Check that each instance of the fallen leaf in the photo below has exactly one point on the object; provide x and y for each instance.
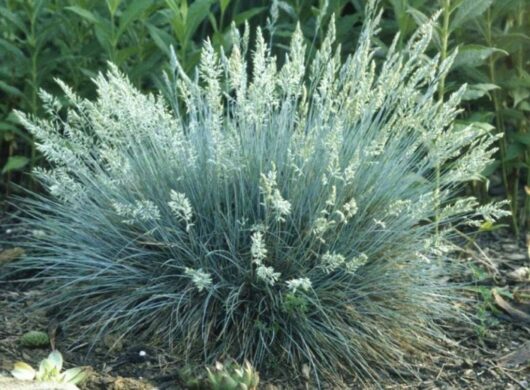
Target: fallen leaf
(522, 296)
(521, 274)
(514, 312)
(9, 255)
(518, 357)
(130, 384)
(306, 371)
(23, 371)
(516, 256)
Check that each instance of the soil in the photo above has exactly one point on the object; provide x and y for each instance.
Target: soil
(494, 354)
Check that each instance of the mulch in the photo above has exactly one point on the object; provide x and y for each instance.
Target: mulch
(494, 354)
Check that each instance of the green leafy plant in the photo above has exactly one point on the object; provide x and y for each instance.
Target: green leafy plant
(492, 42)
(486, 310)
(231, 376)
(35, 339)
(73, 40)
(285, 218)
(50, 371)
(504, 27)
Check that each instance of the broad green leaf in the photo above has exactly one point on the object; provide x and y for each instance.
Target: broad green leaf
(476, 91)
(75, 375)
(179, 8)
(213, 23)
(289, 10)
(160, 37)
(500, 7)
(519, 95)
(197, 13)
(512, 42)
(131, 13)
(419, 17)
(141, 69)
(517, 81)
(246, 15)
(523, 138)
(37, 8)
(56, 360)
(524, 106)
(89, 73)
(491, 168)
(177, 18)
(13, 49)
(15, 163)
(113, 6)
(46, 370)
(11, 17)
(344, 26)
(484, 126)
(23, 371)
(9, 89)
(85, 14)
(9, 132)
(513, 152)
(467, 10)
(474, 55)
(124, 54)
(513, 114)
(481, 116)
(104, 35)
(6, 127)
(224, 4)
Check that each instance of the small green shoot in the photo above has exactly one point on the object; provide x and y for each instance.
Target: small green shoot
(232, 376)
(50, 371)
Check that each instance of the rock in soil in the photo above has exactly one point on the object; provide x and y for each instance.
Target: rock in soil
(16, 384)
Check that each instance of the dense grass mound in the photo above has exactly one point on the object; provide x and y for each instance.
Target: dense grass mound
(287, 218)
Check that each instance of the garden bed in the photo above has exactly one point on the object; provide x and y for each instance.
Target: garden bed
(493, 355)
(293, 205)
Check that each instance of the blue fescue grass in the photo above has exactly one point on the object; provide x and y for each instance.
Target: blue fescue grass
(288, 220)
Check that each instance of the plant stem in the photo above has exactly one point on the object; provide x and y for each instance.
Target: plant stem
(441, 92)
(523, 125)
(501, 128)
(34, 85)
(446, 14)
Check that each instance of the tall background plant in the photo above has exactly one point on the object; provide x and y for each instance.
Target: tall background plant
(492, 42)
(73, 40)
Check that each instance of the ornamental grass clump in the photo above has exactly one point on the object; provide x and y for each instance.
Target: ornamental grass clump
(293, 216)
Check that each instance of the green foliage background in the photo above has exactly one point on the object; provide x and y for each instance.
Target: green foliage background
(73, 39)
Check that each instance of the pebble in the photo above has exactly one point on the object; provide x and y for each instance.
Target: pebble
(515, 256)
(511, 247)
(468, 363)
(15, 384)
(469, 373)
